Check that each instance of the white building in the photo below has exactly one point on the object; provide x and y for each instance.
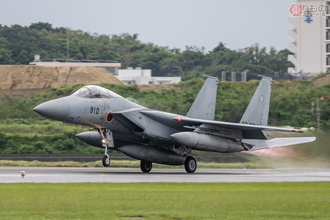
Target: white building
(128, 76)
(140, 76)
(311, 34)
(111, 66)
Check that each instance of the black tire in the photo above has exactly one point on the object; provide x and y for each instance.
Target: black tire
(145, 166)
(190, 165)
(106, 160)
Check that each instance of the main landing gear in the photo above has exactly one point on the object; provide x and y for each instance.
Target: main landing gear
(190, 165)
(107, 141)
(145, 166)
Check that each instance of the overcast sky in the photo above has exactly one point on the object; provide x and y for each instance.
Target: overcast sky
(172, 23)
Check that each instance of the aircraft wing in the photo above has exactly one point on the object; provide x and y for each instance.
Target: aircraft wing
(125, 118)
(276, 142)
(197, 122)
(250, 132)
(213, 127)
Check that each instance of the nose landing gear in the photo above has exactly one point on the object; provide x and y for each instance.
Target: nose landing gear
(107, 141)
(106, 160)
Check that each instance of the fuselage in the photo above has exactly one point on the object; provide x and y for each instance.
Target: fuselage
(100, 108)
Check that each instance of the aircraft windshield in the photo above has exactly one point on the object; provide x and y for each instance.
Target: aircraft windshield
(95, 92)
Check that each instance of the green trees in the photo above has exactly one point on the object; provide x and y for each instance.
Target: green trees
(19, 44)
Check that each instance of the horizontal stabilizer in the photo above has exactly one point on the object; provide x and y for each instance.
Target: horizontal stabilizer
(276, 142)
(245, 127)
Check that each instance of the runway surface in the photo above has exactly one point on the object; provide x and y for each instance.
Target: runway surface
(124, 175)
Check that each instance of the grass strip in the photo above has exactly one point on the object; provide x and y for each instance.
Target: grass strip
(128, 163)
(287, 200)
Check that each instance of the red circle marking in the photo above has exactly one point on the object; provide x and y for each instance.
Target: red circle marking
(109, 117)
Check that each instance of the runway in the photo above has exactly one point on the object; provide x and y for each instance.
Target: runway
(126, 175)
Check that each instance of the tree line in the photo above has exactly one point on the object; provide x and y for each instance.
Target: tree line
(19, 44)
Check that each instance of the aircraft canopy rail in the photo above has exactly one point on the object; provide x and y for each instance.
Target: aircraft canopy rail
(95, 92)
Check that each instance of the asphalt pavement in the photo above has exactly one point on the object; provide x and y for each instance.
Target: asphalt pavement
(126, 175)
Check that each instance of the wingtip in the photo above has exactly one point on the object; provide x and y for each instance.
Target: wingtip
(212, 77)
(297, 131)
(266, 77)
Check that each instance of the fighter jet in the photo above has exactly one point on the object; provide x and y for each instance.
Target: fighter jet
(153, 136)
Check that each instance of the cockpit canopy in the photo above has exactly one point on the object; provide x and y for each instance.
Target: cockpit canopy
(95, 92)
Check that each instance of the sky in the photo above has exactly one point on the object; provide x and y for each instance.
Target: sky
(173, 23)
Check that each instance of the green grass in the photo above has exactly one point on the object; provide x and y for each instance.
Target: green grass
(165, 201)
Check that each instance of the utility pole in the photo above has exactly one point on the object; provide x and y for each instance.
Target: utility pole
(317, 114)
(318, 110)
(67, 43)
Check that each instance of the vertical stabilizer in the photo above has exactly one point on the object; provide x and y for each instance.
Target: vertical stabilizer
(204, 105)
(258, 108)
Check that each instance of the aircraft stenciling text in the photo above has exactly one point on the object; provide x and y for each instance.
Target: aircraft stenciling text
(94, 110)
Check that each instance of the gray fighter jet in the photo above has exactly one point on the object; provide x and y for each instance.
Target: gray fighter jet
(159, 137)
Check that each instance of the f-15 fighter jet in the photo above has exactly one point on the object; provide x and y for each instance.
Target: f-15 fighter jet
(160, 137)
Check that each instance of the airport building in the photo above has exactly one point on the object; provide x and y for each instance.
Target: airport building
(128, 76)
(143, 76)
(311, 36)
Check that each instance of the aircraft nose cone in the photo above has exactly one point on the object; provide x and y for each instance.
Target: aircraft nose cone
(57, 109)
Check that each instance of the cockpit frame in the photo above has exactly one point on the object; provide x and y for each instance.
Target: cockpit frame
(93, 91)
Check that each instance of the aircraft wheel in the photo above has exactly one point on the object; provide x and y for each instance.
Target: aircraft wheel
(145, 166)
(106, 160)
(190, 165)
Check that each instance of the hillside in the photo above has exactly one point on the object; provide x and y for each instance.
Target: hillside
(322, 81)
(24, 80)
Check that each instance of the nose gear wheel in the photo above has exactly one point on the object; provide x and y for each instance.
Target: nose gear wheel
(107, 142)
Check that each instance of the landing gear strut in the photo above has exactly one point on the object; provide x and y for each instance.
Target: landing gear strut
(145, 166)
(190, 164)
(107, 141)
